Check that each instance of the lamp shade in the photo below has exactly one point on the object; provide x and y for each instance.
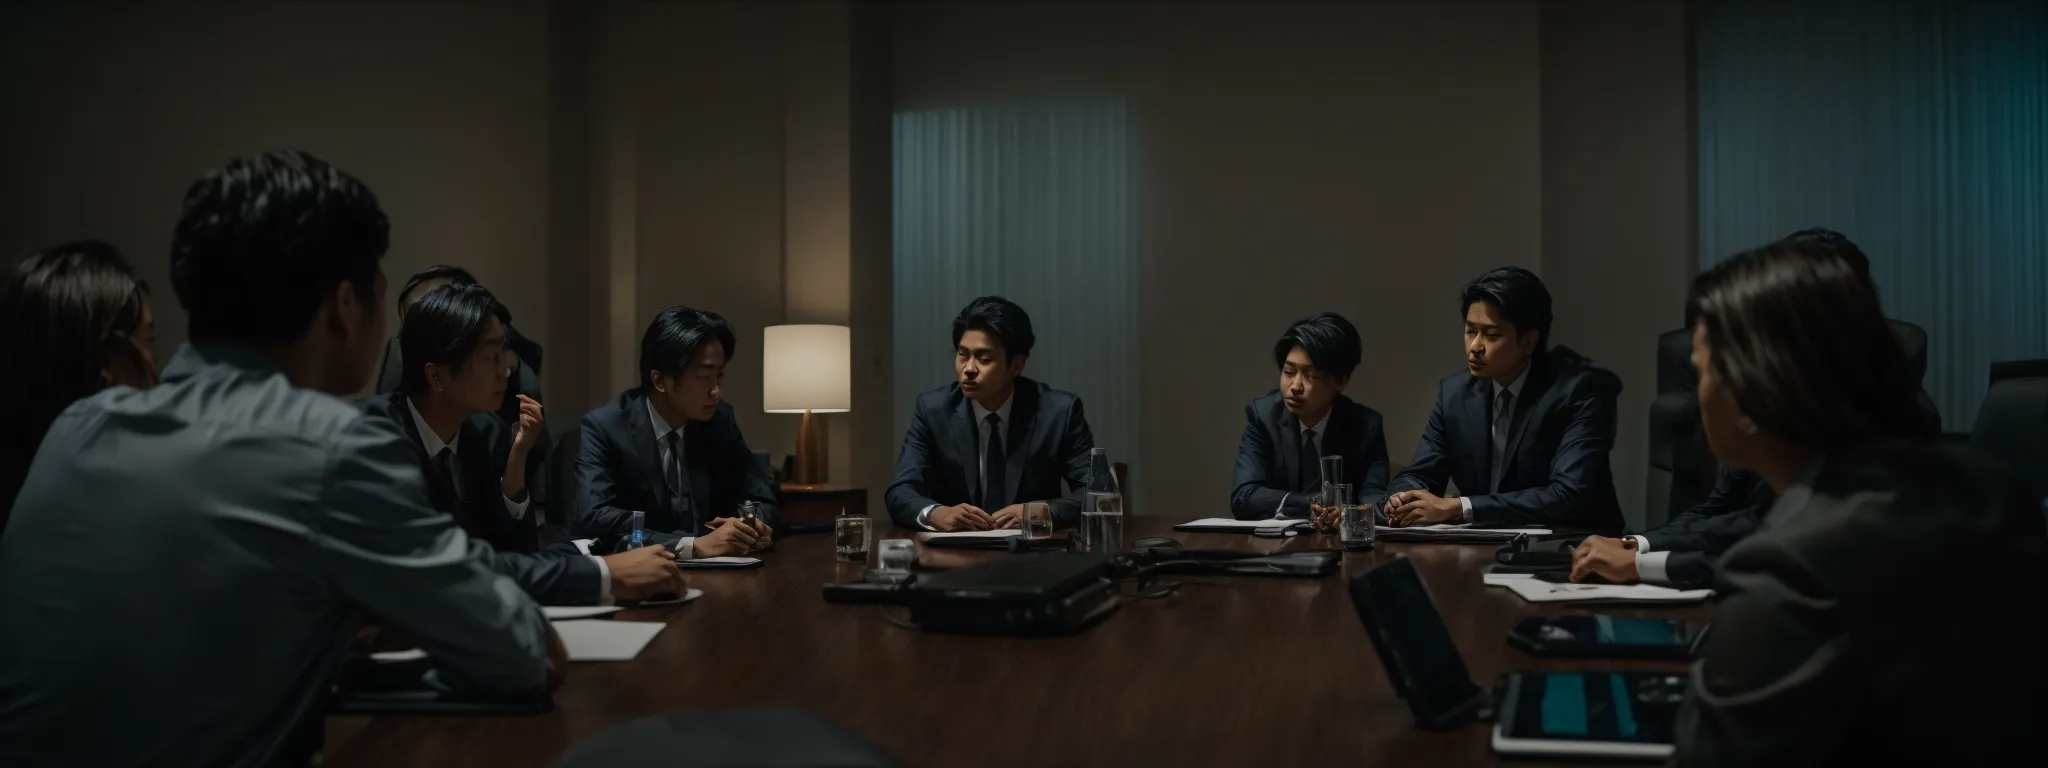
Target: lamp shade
(807, 368)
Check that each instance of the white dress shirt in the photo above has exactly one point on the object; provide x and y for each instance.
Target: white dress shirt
(1002, 412)
(685, 548)
(1650, 568)
(1315, 436)
(1498, 428)
(432, 442)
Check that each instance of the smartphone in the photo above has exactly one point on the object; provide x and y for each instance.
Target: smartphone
(1598, 714)
(1607, 637)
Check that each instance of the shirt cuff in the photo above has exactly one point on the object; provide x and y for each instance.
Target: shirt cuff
(1466, 503)
(1650, 568)
(686, 548)
(604, 581)
(517, 508)
(924, 519)
(1642, 543)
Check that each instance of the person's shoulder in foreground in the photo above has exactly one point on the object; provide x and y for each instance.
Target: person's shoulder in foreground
(1898, 574)
(240, 519)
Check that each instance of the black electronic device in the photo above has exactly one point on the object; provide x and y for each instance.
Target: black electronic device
(1599, 714)
(1421, 661)
(1606, 636)
(1027, 595)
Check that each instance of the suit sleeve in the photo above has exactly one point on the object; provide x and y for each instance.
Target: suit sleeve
(558, 574)
(1683, 533)
(602, 518)
(755, 483)
(1774, 670)
(1431, 469)
(1253, 497)
(910, 489)
(1576, 469)
(1077, 446)
(383, 548)
(1372, 486)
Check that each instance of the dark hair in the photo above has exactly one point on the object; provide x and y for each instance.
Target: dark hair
(1001, 318)
(444, 328)
(264, 239)
(1833, 241)
(63, 313)
(1519, 293)
(674, 337)
(1330, 341)
(1799, 340)
(453, 274)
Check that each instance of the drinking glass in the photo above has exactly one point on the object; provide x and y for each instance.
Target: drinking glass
(1335, 496)
(1355, 530)
(850, 537)
(1333, 470)
(896, 555)
(1037, 520)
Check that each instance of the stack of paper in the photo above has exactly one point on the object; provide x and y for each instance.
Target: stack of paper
(606, 640)
(1455, 533)
(1228, 525)
(958, 535)
(1536, 590)
(561, 612)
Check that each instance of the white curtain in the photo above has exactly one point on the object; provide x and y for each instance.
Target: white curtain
(1033, 203)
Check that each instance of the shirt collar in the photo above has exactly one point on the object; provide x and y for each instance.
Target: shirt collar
(1515, 386)
(661, 428)
(1003, 411)
(428, 439)
(1318, 426)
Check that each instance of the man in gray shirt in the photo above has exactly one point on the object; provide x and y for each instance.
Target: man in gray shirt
(187, 565)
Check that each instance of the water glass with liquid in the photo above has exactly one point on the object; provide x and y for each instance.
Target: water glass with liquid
(1037, 520)
(850, 537)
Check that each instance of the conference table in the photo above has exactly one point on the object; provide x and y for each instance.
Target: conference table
(1227, 671)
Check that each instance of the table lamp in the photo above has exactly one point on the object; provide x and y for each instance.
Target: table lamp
(808, 369)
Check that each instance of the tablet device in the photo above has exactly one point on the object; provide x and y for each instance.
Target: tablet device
(1602, 636)
(1619, 715)
(1414, 646)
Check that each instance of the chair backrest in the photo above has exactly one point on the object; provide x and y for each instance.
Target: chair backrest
(2012, 425)
(1122, 472)
(567, 495)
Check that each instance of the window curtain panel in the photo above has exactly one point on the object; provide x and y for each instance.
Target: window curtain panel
(1034, 203)
(1919, 128)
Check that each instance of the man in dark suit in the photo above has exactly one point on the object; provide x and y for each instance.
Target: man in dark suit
(1287, 432)
(982, 446)
(1682, 552)
(670, 448)
(1523, 433)
(475, 467)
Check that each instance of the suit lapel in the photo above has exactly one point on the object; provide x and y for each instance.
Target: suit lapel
(646, 456)
(967, 445)
(1023, 420)
(1337, 437)
(697, 457)
(1533, 388)
(1479, 435)
(1289, 442)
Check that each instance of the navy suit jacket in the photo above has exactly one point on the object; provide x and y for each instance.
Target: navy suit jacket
(1556, 474)
(558, 574)
(619, 470)
(1268, 455)
(1048, 442)
(1697, 537)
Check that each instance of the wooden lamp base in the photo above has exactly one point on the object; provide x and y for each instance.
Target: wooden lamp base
(810, 451)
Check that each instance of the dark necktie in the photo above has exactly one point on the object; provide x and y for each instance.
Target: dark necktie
(1309, 474)
(445, 496)
(1503, 417)
(997, 495)
(678, 490)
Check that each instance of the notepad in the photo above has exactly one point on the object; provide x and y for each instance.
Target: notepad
(1539, 591)
(606, 640)
(718, 562)
(1229, 525)
(559, 612)
(998, 534)
(1455, 533)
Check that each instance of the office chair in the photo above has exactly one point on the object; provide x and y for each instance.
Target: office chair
(565, 496)
(2012, 425)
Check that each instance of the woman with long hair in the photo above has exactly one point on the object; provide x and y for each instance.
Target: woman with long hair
(73, 320)
(1886, 611)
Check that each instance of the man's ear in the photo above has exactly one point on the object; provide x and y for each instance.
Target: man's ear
(1017, 364)
(1342, 382)
(655, 382)
(433, 376)
(1531, 338)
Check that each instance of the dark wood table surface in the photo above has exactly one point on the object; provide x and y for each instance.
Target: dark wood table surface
(1232, 671)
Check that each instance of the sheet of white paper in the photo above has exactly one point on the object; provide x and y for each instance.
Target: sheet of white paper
(1467, 528)
(583, 545)
(1225, 522)
(727, 560)
(999, 534)
(579, 611)
(1539, 591)
(606, 640)
(408, 654)
(687, 595)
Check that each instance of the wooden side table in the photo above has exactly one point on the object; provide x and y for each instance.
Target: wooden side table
(819, 504)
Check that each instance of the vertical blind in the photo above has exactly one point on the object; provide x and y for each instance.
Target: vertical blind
(1919, 128)
(1032, 202)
